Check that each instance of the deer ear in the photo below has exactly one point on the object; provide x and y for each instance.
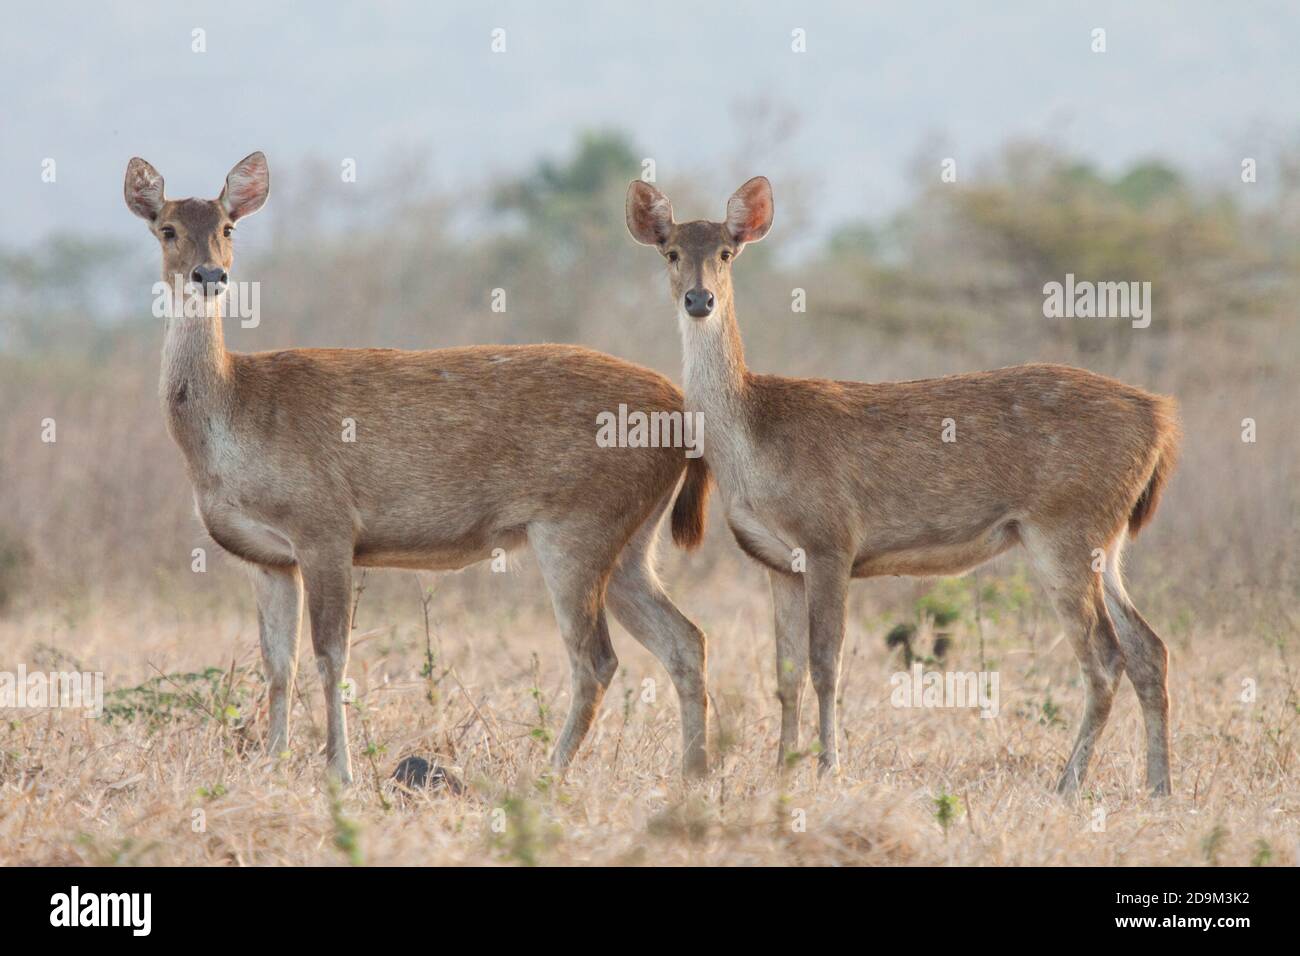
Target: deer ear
(649, 214)
(750, 211)
(143, 189)
(246, 186)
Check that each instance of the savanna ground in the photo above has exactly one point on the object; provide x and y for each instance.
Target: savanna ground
(182, 779)
(97, 536)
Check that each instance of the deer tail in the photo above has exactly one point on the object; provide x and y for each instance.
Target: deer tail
(691, 507)
(1166, 455)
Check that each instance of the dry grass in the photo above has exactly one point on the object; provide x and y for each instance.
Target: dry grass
(78, 791)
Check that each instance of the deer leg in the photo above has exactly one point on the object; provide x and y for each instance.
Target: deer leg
(1097, 647)
(329, 603)
(577, 594)
(1076, 593)
(640, 605)
(1147, 664)
(790, 610)
(827, 591)
(279, 619)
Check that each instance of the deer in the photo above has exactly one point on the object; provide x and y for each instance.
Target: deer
(456, 455)
(854, 480)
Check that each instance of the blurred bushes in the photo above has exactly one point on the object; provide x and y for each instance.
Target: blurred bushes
(978, 252)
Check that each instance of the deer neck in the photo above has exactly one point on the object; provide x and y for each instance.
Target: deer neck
(714, 377)
(195, 381)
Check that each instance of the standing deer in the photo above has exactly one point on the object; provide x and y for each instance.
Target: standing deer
(1063, 461)
(456, 452)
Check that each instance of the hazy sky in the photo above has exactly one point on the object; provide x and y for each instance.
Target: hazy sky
(91, 84)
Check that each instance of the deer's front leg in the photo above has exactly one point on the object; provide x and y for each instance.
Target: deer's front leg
(279, 620)
(827, 584)
(328, 580)
(790, 613)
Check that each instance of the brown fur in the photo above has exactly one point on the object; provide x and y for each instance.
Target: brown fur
(690, 511)
(306, 462)
(1166, 458)
(827, 480)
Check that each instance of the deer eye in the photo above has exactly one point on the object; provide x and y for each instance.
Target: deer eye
(228, 231)
(168, 232)
(673, 256)
(726, 255)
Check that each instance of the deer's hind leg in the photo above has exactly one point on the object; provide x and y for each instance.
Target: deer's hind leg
(1147, 661)
(639, 603)
(576, 579)
(1064, 561)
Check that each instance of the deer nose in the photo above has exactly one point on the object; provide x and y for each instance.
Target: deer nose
(699, 303)
(209, 275)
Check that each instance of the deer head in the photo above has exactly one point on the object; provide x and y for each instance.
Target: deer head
(197, 235)
(700, 253)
